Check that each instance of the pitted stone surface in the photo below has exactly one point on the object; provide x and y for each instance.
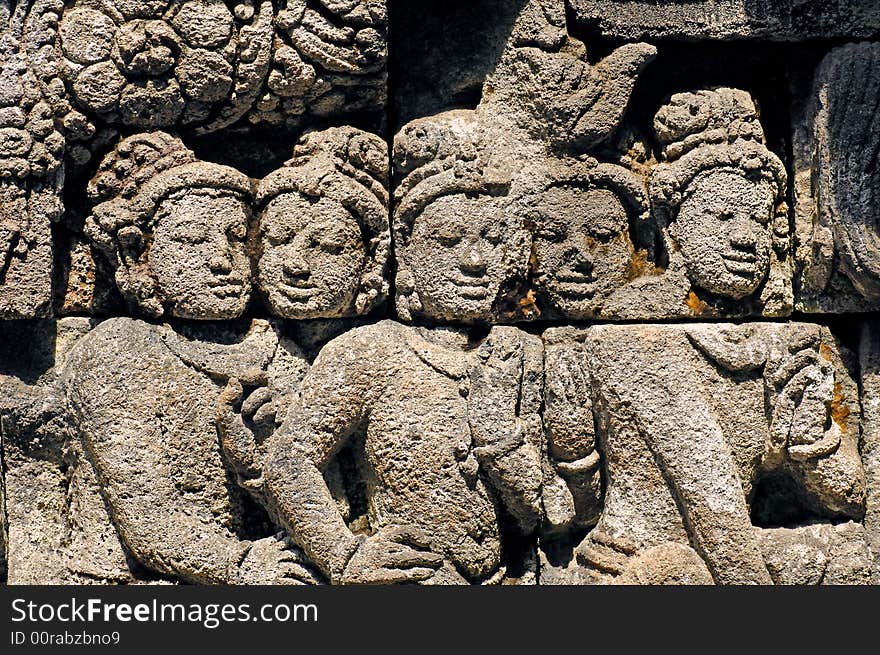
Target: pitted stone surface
(693, 20)
(538, 307)
(837, 183)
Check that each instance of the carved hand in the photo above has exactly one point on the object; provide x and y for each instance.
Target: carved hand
(493, 400)
(801, 412)
(239, 442)
(272, 561)
(568, 413)
(394, 555)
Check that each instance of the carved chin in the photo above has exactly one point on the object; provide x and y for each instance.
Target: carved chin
(212, 309)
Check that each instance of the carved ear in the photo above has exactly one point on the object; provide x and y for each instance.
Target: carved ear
(131, 245)
(407, 301)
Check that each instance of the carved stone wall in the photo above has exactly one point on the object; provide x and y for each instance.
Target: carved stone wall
(484, 292)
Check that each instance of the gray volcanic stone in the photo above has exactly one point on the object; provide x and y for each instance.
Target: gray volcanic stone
(449, 438)
(296, 348)
(202, 65)
(473, 187)
(31, 152)
(194, 239)
(870, 385)
(837, 183)
(692, 20)
(143, 401)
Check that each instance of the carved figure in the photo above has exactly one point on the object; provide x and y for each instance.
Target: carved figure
(543, 103)
(692, 456)
(173, 229)
(718, 197)
(143, 397)
(447, 439)
(583, 250)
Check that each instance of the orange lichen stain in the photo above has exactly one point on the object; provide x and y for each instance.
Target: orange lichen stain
(825, 352)
(639, 266)
(528, 305)
(697, 306)
(839, 407)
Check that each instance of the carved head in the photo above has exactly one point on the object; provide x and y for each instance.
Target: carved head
(324, 230)
(582, 249)
(160, 63)
(718, 192)
(459, 244)
(174, 229)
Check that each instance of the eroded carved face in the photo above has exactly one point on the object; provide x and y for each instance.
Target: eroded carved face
(582, 248)
(313, 257)
(724, 232)
(198, 255)
(460, 255)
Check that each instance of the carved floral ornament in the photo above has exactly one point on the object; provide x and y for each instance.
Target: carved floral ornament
(204, 64)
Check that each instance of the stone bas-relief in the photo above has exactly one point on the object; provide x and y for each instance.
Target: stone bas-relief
(31, 167)
(305, 353)
(571, 226)
(447, 439)
(718, 198)
(837, 183)
(143, 403)
(508, 164)
(729, 454)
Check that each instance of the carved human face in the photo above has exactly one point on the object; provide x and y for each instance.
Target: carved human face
(723, 229)
(583, 250)
(313, 257)
(198, 256)
(460, 254)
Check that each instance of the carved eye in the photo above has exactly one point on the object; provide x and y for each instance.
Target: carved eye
(449, 235)
(492, 234)
(190, 232)
(551, 233)
(331, 242)
(725, 216)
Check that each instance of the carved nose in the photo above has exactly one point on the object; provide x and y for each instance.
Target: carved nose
(581, 260)
(295, 265)
(742, 233)
(473, 261)
(221, 262)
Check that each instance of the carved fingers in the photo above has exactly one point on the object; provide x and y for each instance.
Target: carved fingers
(275, 560)
(801, 423)
(394, 555)
(242, 423)
(493, 401)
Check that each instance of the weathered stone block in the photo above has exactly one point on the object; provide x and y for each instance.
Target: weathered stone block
(837, 183)
(692, 20)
